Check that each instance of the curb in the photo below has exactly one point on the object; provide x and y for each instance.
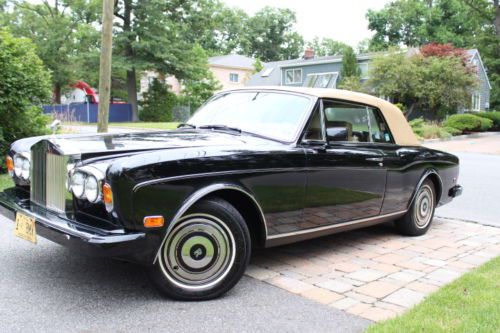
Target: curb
(463, 137)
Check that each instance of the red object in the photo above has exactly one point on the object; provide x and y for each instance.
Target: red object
(88, 91)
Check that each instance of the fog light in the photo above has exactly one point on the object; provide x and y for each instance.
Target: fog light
(154, 221)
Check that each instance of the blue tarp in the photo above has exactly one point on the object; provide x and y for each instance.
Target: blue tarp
(77, 112)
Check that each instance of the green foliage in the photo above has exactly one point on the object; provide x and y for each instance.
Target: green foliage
(494, 116)
(257, 66)
(350, 66)
(271, 35)
(428, 130)
(63, 41)
(464, 23)
(486, 124)
(158, 103)
(327, 47)
(351, 83)
(464, 122)
(430, 83)
(24, 84)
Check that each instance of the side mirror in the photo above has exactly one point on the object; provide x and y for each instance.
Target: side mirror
(336, 134)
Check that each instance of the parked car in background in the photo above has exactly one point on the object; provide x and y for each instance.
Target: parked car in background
(256, 167)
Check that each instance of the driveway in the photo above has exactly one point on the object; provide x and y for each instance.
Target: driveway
(480, 177)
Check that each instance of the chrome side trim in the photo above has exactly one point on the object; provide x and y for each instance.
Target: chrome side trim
(200, 194)
(210, 174)
(299, 235)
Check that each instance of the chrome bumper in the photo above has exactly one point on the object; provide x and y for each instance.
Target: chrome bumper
(115, 243)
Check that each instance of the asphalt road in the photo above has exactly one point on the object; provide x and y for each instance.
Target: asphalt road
(48, 288)
(480, 201)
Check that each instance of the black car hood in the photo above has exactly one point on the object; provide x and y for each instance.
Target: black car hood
(140, 141)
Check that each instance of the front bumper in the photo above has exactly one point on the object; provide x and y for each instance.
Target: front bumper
(117, 243)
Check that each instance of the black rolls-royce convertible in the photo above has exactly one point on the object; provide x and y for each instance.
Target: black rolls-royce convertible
(256, 167)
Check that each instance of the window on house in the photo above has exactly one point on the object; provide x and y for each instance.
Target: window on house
(267, 72)
(293, 76)
(322, 80)
(363, 67)
(234, 77)
(476, 101)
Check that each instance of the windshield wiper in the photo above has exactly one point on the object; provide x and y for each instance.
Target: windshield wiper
(186, 125)
(221, 127)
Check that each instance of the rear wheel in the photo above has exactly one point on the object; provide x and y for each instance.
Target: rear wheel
(205, 254)
(418, 219)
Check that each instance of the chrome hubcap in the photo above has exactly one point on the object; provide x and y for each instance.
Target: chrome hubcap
(198, 252)
(424, 206)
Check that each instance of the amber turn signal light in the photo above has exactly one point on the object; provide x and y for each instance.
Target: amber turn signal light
(107, 196)
(10, 165)
(153, 221)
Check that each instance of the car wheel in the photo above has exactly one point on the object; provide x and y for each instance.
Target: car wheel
(205, 254)
(418, 219)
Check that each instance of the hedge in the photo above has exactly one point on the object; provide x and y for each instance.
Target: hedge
(492, 115)
(465, 122)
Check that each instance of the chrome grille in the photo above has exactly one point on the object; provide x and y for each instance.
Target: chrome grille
(48, 178)
(38, 166)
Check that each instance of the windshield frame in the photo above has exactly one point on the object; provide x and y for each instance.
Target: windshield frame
(296, 136)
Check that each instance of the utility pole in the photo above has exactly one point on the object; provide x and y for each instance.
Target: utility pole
(105, 65)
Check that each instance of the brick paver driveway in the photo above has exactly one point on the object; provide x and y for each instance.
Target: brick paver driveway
(375, 273)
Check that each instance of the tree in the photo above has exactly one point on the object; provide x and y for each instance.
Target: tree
(150, 36)
(463, 23)
(25, 84)
(257, 66)
(271, 35)
(327, 47)
(350, 66)
(57, 35)
(158, 103)
(427, 83)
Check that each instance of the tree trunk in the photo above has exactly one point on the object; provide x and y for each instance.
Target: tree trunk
(132, 92)
(57, 94)
(410, 110)
(497, 17)
(105, 65)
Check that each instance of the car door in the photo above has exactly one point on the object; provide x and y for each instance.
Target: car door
(346, 176)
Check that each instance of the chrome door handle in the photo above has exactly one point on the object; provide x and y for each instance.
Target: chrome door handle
(375, 159)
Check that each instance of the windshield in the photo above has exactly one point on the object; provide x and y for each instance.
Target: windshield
(271, 114)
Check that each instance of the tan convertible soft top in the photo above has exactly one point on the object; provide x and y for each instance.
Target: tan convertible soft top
(400, 129)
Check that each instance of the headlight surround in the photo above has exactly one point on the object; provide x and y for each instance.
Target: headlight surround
(86, 183)
(92, 191)
(22, 165)
(77, 184)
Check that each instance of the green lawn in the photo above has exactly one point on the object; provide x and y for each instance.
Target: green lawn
(469, 304)
(5, 182)
(135, 125)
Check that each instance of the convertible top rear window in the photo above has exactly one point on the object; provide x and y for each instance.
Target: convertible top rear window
(272, 114)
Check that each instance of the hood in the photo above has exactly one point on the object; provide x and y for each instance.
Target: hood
(139, 141)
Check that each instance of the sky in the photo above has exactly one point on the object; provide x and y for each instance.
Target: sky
(342, 20)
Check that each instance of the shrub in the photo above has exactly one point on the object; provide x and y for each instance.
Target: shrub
(486, 124)
(452, 131)
(464, 122)
(158, 103)
(425, 130)
(25, 84)
(492, 115)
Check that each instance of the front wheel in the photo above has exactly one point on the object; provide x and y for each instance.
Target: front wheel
(418, 219)
(205, 254)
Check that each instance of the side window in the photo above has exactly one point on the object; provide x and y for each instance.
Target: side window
(315, 128)
(347, 122)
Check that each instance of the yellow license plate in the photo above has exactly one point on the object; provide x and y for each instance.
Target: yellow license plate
(25, 227)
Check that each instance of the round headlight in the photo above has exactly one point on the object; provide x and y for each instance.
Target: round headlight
(78, 184)
(18, 165)
(91, 188)
(25, 169)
